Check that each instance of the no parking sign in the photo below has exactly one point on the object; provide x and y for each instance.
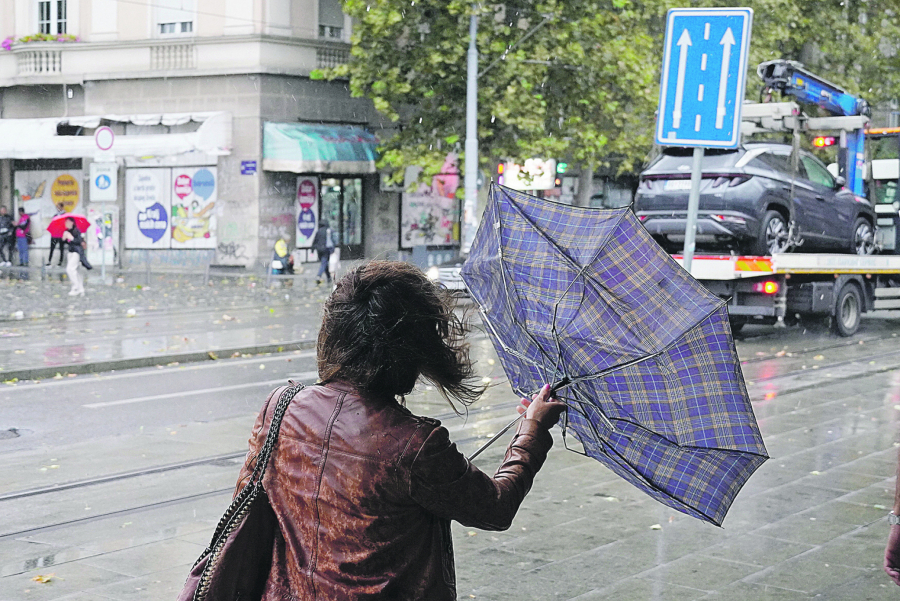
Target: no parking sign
(307, 210)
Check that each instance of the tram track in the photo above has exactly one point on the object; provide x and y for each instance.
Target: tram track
(137, 508)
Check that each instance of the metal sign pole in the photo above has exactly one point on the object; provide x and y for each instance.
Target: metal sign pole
(690, 230)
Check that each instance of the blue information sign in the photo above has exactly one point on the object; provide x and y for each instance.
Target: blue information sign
(703, 77)
(248, 167)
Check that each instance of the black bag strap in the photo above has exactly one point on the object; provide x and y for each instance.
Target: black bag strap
(262, 460)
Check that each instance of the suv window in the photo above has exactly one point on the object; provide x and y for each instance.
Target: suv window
(778, 162)
(816, 172)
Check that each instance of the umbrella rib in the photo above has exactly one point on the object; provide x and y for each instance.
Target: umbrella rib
(503, 278)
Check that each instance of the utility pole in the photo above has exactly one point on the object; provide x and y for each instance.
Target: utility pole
(470, 205)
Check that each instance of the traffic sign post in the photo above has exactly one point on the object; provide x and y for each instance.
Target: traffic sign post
(702, 89)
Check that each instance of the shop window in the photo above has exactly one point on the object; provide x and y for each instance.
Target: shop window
(52, 16)
(342, 206)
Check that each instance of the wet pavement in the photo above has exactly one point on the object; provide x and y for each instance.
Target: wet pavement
(112, 488)
(174, 315)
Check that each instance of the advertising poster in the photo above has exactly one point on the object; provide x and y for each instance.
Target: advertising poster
(147, 208)
(307, 210)
(193, 197)
(428, 219)
(430, 216)
(40, 192)
(103, 231)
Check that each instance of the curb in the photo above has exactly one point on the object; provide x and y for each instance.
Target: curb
(42, 373)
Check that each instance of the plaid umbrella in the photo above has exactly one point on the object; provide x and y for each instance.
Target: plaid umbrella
(640, 351)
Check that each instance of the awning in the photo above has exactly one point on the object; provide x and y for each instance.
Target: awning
(307, 148)
(37, 138)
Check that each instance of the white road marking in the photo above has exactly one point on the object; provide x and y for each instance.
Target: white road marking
(700, 93)
(307, 375)
(155, 371)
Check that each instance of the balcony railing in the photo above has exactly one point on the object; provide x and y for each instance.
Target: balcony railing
(40, 61)
(171, 57)
(327, 58)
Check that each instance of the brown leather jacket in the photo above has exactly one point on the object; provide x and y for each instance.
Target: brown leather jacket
(364, 492)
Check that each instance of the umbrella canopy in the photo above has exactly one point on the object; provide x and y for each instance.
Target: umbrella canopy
(57, 225)
(650, 372)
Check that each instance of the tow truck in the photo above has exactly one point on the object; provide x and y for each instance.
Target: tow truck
(787, 287)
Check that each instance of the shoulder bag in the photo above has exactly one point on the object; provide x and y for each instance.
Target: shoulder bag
(236, 564)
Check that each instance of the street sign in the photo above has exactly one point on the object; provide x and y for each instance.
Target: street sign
(104, 137)
(248, 167)
(104, 183)
(703, 77)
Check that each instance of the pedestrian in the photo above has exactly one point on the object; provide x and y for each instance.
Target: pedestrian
(23, 236)
(7, 237)
(323, 244)
(54, 242)
(74, 242)
(363, 489)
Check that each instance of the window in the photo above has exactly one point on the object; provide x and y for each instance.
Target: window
(331, 20)
(174, 17)
(816, 172)
(778, 162)
(170, 28)
(52, 16)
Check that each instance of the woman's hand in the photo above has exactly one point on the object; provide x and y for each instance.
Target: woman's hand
(542, 408)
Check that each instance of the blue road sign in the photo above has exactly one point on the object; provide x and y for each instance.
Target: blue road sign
(248, 167)
(703, 77)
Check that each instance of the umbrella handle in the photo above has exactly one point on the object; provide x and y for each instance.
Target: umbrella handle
(561, 384)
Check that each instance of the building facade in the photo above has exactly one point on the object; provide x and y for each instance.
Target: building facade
(189, 131)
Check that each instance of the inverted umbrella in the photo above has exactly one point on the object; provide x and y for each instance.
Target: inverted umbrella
(57, 225)
(640, 351)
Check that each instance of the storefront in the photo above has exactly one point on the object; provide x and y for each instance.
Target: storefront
(333, 164)
(151, 184)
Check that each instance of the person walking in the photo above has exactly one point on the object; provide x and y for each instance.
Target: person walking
(364, 490)
(323, 244)
(7, 237)
(23, 236)
(54, 242)
(74, 243)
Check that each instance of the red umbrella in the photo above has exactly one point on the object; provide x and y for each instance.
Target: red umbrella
(58, 224)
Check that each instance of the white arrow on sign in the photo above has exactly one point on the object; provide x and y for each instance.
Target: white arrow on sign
(727, 42)
(684, 41)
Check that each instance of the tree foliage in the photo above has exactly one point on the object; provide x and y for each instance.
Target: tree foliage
(576, 79)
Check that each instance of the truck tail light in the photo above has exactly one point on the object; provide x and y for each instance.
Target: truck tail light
(767, 287)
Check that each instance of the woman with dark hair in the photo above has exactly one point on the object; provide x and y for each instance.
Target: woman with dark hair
(364, 490)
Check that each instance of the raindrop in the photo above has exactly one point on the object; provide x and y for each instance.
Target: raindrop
(420, 119)
(493, 118)
(367, 8)
(430, 146)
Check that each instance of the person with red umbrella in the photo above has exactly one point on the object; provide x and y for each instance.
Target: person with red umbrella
(74, 226)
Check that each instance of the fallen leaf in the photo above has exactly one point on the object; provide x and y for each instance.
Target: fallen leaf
(819, 357)
(212, 355)
(43, 578)
(656, 527)
(472, 533)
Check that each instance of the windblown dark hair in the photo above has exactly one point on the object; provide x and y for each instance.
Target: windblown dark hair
(385, 326)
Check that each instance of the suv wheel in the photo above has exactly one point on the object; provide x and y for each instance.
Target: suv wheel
(773, 235)
(863, 241)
